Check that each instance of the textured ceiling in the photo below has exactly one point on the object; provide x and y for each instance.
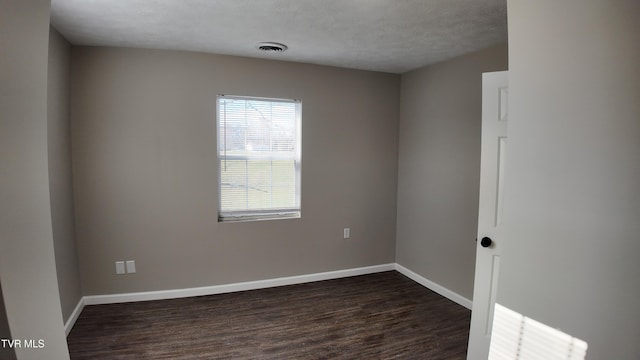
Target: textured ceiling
(380, 35)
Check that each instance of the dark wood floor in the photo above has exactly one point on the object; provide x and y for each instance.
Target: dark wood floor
(378, 316)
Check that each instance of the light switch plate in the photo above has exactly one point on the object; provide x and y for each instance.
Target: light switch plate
(347, 233)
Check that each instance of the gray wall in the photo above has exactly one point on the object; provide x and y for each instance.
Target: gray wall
(572, 198)
(60, 181)
(145, 179)
(439, 168)
(27, 266)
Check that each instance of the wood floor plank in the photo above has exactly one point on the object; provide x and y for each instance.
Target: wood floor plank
(377, 316)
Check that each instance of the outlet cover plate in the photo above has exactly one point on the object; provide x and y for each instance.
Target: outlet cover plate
(131, 266)
(119, 267)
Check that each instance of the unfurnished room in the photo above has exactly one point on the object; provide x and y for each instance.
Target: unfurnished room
(339, 179)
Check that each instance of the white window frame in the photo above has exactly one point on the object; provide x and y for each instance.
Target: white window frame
(260, 214)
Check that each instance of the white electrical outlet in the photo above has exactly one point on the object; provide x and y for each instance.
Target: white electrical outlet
(347, 233)
(131, 266)
(119, 267)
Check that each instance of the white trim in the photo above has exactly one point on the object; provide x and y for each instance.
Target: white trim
(74, 316)
(227, 288)
(453, 296)
(259, 284)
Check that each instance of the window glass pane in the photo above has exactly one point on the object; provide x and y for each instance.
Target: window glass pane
(257, 128)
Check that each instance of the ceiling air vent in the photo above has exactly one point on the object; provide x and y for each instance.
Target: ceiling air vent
(271, 47)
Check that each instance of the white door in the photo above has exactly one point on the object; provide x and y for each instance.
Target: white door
(490, 216)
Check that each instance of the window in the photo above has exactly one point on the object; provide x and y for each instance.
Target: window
(258, 158)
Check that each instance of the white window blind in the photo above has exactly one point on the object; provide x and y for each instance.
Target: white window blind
(259, 153)
(515, 337)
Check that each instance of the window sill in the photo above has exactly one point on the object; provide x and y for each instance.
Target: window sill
(257, 217)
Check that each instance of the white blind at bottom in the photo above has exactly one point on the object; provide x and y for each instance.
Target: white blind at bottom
(515, 336)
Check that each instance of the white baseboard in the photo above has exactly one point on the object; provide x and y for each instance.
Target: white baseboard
(74, 317)
(259, 284)
(453, 296)
(227, 288)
